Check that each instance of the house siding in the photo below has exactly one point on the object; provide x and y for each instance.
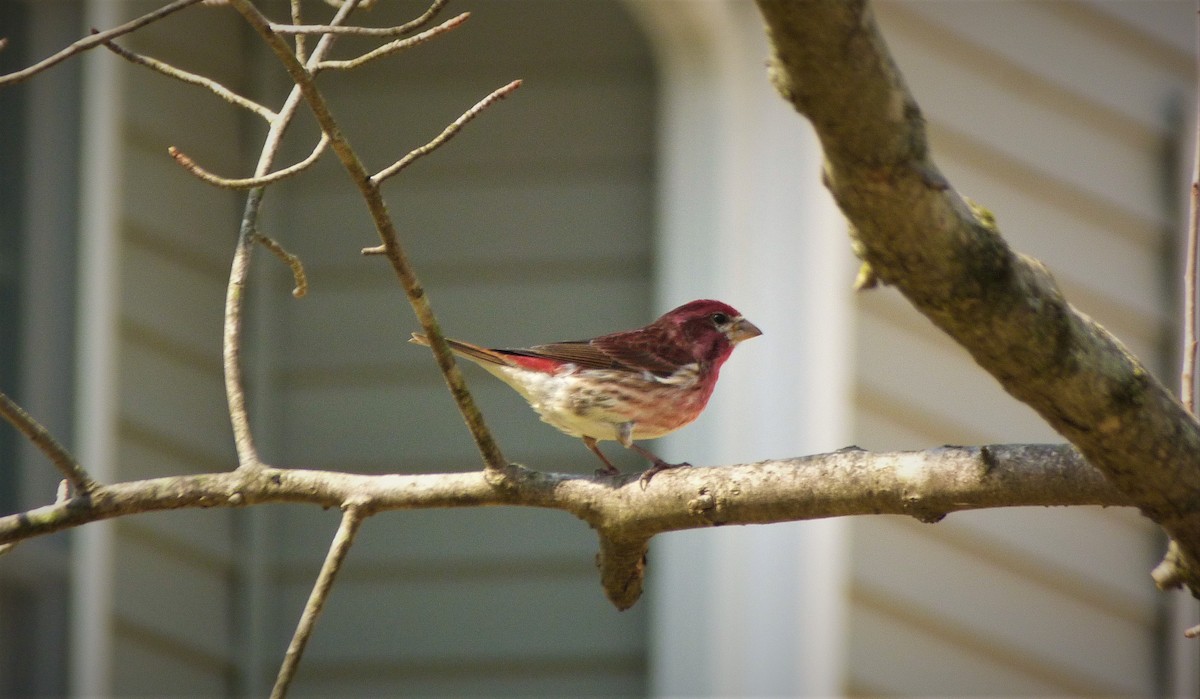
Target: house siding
(1055, 116)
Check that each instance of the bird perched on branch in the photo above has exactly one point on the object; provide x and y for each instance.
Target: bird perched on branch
(636, 384)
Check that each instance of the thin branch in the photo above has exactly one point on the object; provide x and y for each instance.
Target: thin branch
(44, 441)
(249, 182)
(926, 485)
(94, 40)
(490, 451)
(352, 518)
(192, 79)
(297, 27)
(300, 30)
(231, 337)
(290, 260)
(1187, 387)
(392, 46)
(446, 134)
(301, 39)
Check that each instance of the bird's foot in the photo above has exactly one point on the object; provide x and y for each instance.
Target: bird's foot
(659, 466)
(608, 470)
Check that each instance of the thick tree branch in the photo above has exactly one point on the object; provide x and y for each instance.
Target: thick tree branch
(927, 485)
(917, 234)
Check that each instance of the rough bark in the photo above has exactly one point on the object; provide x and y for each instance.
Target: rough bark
(915, 232)
(927, 485)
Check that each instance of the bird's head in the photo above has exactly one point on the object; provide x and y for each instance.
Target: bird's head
(710, 328)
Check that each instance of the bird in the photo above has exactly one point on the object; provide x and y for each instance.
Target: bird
(624, 386)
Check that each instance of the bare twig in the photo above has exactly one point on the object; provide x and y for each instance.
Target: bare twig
(1187, 385)
(192, 79)
(421, 20)
(249, 182)
(300, 30)
(94, 40)
(231, 339)
(490, 451)
(352, 517)
(392, 46)
(290, 260)
(43, 440)
(301, 39)
(446, 134)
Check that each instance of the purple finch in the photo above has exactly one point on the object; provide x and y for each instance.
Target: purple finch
(636, 384)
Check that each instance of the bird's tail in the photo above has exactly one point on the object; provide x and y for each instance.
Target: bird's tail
(475, 353)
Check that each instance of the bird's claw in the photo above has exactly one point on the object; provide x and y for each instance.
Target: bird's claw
(658, 466)
(609, 470)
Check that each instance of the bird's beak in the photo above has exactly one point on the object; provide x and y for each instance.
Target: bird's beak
(741, 329)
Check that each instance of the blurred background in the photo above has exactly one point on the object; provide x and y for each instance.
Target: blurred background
(645, 161)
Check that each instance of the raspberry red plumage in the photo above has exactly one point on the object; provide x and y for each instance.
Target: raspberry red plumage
(636, 384)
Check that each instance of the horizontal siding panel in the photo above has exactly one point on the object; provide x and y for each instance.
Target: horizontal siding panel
(154, 583)
(192, 119)
(188, 39)
(1112, 653)
(936, 377)
(371, 326)
(419, 543)
(176, 300)
(1163, 31)
(145, 666)
(411, 428)
(498, 222)
(504, 40)
(898, 425)
(1100, 550)
(478, 619)
(1141, 334)
(326, 424)
(175, 399)
(888, 423)
(601, 120)
(203, 223)
(1070, 52)
(891, 653)
(1061, 146)
(1122, 269)
(606, 676)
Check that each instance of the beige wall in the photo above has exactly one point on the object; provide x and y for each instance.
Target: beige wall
(1054, 116)
(538, 224)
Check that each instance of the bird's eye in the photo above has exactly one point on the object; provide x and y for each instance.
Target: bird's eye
(720, 318)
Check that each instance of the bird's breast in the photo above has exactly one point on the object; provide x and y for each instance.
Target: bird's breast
(596, 402)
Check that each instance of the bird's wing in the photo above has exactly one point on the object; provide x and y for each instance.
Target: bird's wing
(652, 348)
(646, 349)
(581, 353)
